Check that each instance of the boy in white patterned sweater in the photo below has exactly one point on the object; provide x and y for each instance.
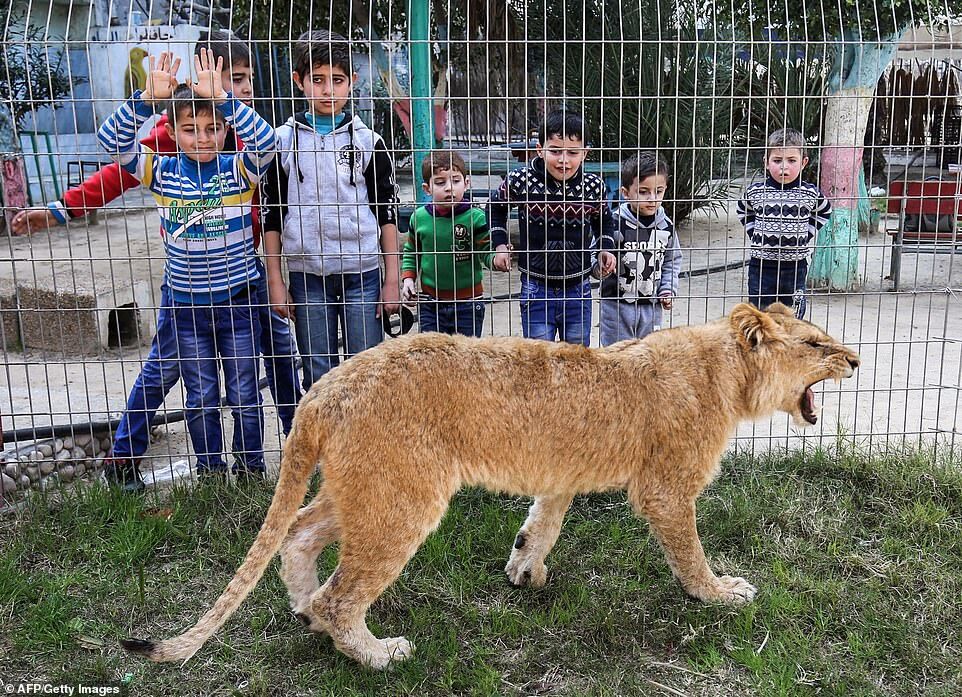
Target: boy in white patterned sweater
(204, 198)
(781, 216)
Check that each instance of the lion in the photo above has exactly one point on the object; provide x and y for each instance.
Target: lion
(523, 417)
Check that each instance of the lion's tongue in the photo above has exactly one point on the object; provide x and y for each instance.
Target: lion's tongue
(809, 401)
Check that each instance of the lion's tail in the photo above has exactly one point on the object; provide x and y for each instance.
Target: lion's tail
(301, 452)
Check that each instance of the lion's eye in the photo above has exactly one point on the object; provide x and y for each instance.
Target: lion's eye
(813, 344)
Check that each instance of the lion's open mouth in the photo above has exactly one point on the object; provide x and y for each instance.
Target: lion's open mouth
(807, 406)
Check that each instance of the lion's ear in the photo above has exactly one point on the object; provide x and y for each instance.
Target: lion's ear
(779, 309)
(752, 326)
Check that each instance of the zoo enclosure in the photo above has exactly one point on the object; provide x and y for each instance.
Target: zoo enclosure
(875, 91)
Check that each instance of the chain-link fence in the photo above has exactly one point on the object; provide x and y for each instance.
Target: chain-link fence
(195, 258)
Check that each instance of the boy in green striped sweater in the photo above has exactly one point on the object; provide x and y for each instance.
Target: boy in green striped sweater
(448, 244)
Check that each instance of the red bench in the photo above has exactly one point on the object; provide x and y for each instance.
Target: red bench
(923, 198)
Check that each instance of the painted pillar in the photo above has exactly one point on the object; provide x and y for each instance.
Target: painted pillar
(851, 88)
(422, 128)
(835, 263)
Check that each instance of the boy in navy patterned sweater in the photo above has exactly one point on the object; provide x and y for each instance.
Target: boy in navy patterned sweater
(204, 198)
(564, 218)
(781, 216)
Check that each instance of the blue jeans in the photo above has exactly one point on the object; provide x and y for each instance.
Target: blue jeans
(324, 303)
(161, 372)
(229, 331)
(451, 316)
(778, 281)
(548, 312)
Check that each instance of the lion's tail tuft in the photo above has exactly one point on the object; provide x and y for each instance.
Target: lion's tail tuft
(301, 452)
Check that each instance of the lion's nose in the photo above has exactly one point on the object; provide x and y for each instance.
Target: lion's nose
(854, 361)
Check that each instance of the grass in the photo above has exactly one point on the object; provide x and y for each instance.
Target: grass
(858, 562)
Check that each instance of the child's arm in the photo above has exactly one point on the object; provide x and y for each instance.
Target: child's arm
(260, 140)
(382, 193)
(746, 215)
(604, 231)
(670, 270)
(277, 293)
(482, 241)
(96, 191)
(273, 195)
(500, 209)
(410, 261)
(118, 134)
(823, 211)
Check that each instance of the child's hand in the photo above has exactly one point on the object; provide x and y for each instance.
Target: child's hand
(665, 301)
(607, 263)
(408, 291)
(502, 258)
(209, 84)
(390, 300)
(280, 300)
(161, 78)
(31, 220)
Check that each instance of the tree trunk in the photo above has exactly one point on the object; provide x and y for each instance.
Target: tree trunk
(851, 87)
(835, 264)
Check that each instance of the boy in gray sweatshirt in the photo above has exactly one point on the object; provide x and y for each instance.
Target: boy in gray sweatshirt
(648, 254)
(331, 212)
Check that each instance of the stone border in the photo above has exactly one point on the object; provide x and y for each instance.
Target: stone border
(47, 464)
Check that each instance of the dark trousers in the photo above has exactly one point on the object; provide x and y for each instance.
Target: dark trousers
(771, 281)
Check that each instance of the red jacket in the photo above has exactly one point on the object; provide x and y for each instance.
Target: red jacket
(111, 181)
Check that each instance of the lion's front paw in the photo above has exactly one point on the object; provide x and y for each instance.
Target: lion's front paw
(389, 651)
(731, 590)
(525, 572)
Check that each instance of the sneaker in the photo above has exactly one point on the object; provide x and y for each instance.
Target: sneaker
(124, 472)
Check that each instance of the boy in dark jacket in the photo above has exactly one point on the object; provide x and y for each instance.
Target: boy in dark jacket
(563, 217)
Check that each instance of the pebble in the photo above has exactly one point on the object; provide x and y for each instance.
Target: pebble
(12, 469)
(48, 466)
(78, 453)
(57, 445)
(67, 473)
(8, 485)
(79, 469)
(82, 440)
(35, 456)
(63, 455)
(33, 472)
(67, 443)
(50, 482)
(24, 482)
(45, 449)
(105, 443)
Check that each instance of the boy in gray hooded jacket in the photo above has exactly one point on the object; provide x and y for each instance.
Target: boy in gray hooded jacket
(648, 254)
(331, 212)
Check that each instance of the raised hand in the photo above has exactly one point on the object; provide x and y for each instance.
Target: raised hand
(209, 84)
(161, 78)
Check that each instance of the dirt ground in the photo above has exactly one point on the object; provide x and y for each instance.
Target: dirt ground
(910, 341)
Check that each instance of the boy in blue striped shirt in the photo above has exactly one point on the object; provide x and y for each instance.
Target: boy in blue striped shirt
(204, 199)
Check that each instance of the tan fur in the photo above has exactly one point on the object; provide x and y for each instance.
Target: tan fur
(402, 427)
